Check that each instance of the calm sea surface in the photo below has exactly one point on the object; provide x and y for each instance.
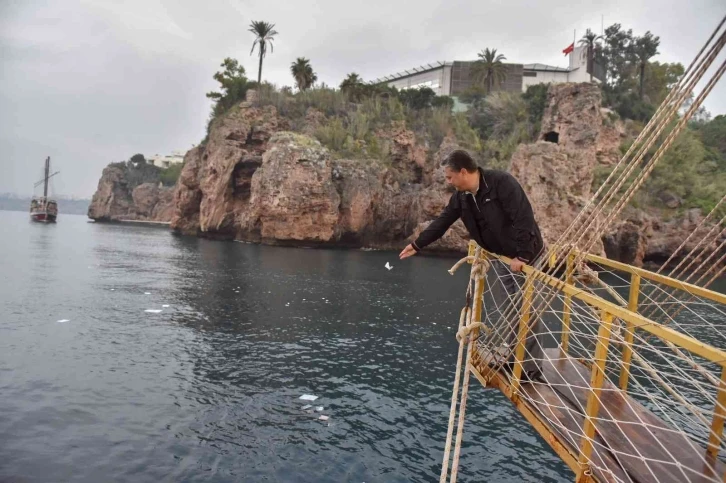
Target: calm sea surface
(207, 388)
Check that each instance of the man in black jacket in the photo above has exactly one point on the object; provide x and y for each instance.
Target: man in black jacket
(498, 216)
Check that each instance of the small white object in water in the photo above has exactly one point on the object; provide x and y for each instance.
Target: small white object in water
(308, 397)
(153, 311)
(323, 417)
(434, 323)
(165, 305)
(319, 409)
(307, 406)
(113, 289)
(388, 266)
(63, 320)
(147, 293)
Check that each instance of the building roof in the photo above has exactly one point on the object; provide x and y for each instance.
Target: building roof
(440, 64)
(545, 68)
(412, 72)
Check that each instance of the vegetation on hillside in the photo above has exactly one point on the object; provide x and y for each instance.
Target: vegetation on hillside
(357, 115)
(138, 171)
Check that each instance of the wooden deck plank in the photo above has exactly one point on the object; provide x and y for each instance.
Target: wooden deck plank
(629, 429)
(561, 417)
(568, 424)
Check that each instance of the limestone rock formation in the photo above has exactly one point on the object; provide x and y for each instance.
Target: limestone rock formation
(255, 180)
(117, 198)
(557, 171)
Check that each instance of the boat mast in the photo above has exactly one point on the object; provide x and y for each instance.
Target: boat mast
(47, 171)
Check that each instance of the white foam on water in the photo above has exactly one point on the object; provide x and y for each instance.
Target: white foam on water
(62, 321)
(147, 293)
(153, 311)
(165, 305)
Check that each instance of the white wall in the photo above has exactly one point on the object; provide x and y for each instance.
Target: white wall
(165, 161)
(578, 66)
(544, 78)
(439, 80)
(580, 75)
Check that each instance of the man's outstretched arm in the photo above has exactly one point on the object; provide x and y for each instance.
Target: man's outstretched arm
(436, 228)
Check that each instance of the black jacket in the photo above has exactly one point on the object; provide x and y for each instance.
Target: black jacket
(499, 218)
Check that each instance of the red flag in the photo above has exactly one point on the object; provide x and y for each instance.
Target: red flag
(569, 49)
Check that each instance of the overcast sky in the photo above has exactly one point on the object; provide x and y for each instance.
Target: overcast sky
(94, 81)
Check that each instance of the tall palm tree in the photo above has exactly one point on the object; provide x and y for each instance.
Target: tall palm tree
(644, 48)
(265, 33)
(589, 40)
(489, 69)
(303, 73)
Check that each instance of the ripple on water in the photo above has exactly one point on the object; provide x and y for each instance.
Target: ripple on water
(208, 389)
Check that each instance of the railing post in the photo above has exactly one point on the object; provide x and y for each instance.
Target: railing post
(629, 329)
(569, 271)
(597, 379)
(522, 333)
(719, 413)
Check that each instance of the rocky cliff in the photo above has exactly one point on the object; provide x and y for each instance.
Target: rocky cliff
(122, 195)
(255, 180)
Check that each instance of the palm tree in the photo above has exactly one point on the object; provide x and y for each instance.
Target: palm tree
(303, 73)
(588, 40)
(353, 80)
(265, 33)
(351, 85)
(489, 69)
(644, 48)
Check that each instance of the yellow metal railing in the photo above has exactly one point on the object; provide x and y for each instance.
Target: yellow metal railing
(608, 312)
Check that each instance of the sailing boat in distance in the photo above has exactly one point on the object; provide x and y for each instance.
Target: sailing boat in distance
(42, 208)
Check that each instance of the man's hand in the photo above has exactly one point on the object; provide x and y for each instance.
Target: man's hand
(516, 265)
(407, 252)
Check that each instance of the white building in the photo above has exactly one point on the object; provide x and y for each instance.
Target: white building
(453, 78)
(165, 161)
(547, 74)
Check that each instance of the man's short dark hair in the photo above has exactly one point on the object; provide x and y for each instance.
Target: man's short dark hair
(459, 160)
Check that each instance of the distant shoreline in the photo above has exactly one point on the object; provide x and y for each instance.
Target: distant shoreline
(67, 207)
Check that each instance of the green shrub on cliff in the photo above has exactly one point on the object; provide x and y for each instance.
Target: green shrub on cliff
(170, 175)
(689, 172)
(233, 86)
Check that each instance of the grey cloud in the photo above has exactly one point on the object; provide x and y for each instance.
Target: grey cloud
(92, 82)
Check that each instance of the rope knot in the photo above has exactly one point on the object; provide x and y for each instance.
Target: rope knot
(480, 268)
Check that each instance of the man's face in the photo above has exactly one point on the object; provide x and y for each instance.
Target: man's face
(455, 179)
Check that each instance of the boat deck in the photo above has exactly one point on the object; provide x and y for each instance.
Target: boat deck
(631, 443)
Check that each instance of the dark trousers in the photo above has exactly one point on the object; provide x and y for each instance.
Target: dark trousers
(507, 295)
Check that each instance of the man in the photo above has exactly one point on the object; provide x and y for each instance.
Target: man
(498, 216)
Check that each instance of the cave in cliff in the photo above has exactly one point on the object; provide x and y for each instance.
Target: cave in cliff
(552, 137)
